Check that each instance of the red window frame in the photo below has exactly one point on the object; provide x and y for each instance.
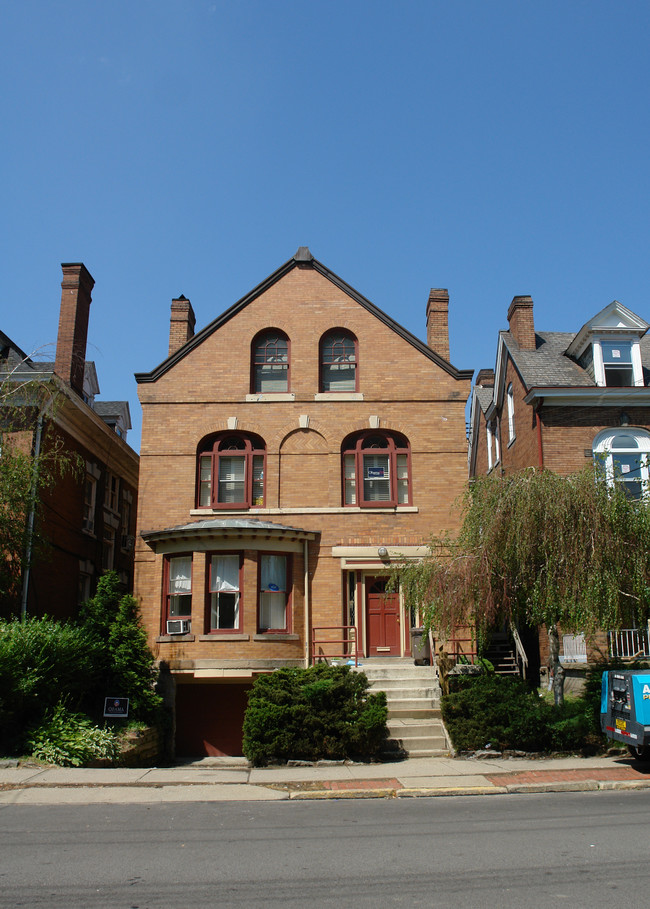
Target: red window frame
(325, 359)
(262, 349)
(213, 450)
(167, 594)
(208, 594)
(288, 606)
(360, 444)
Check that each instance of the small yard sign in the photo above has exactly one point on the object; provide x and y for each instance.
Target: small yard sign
(116, 707)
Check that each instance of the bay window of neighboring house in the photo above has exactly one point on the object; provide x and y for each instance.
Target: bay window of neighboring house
(274, 593)
(231, 471)
(111, 492)
(622, 456)
(338, 361)
(90, 501)
(270, 362)
(224, 590)
(178, 587)
(376, 470)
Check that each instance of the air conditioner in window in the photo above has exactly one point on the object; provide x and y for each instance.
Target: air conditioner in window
(178, 626)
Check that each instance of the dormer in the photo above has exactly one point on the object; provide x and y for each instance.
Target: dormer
(608, 348)
(91, 384)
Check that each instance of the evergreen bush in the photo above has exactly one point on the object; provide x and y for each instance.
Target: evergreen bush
(323, 712)
(493, 711)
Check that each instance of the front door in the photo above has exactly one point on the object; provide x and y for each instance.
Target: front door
(383, 618)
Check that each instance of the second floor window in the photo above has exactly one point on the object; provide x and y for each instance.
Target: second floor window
(270, 366)
(231, 472)
(376, 470)
(338, 361)
(225, 591)
(179, 586)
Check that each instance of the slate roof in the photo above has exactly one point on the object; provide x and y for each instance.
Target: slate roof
(548, 366)
(483, 396)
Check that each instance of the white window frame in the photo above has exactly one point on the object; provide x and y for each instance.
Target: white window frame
(510, 403)
(604, 453)
(600, 376)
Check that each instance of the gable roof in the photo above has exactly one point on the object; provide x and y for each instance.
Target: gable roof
(302, 259)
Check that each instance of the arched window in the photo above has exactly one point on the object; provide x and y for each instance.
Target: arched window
(338, 361)
(231, 471)
(623, 456)
(270, 362)
(376, 469)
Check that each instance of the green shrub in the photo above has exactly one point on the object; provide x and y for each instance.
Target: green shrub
(39, 660)
(504, 713)
(324, 712)
(71, 739)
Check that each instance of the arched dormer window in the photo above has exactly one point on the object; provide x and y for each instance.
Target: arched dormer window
(231, 471)
(376, 469)
(338, 361)
(270, 362)
(623, 455)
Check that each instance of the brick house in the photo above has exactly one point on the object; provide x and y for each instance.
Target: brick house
(291, 450)
(560, 400)
(88, 518)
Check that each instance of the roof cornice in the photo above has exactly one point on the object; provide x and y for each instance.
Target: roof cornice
(593, 396)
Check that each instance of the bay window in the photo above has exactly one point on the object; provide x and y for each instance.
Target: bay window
(225, 592)
(274, 590)
(179, 587)
(622, 456)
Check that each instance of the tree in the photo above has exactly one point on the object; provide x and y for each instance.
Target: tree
(128, 669)
(542, 549)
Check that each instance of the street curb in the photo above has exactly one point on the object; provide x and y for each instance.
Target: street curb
(450, 790)
(342, 794)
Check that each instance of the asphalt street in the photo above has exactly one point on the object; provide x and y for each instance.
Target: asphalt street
(581, 849)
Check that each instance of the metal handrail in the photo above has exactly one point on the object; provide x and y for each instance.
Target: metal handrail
(348, 639)
(519, 647)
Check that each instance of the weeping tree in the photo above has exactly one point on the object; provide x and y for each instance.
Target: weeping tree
(538, 548)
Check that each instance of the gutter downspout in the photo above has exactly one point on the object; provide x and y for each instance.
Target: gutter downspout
(540, 447)
(305, 557)
(30, 518)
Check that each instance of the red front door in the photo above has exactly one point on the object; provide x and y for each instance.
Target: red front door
(383, 618)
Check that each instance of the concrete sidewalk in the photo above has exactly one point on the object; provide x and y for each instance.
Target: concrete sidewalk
(230, 779)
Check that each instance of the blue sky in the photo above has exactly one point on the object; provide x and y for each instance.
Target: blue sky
(493, 148)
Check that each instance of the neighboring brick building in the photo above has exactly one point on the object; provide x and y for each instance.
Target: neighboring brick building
(88, 518)
(291, 451)
(559, 400)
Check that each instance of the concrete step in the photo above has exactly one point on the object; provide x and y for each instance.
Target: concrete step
(401, 681)
(410, 704)
(400, 694)
(417, 713)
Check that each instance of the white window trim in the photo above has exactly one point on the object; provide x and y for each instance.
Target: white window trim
(510, 401)
(602, 448)
(599, 365)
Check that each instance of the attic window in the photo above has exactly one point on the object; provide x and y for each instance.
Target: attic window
(617, 363)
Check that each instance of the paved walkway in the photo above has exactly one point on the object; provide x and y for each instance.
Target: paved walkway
(230, 779)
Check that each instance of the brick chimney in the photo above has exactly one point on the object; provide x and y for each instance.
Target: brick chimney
(438, 321)
(485, 378)
(70, 358)
(181, 323)
(520, 320)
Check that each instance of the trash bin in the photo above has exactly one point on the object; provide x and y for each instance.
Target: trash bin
(420, 647)
(625, 709)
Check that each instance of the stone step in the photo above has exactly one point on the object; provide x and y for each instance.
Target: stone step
(409, 704)
(403, 682)
(423, 743)
(408, 694)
